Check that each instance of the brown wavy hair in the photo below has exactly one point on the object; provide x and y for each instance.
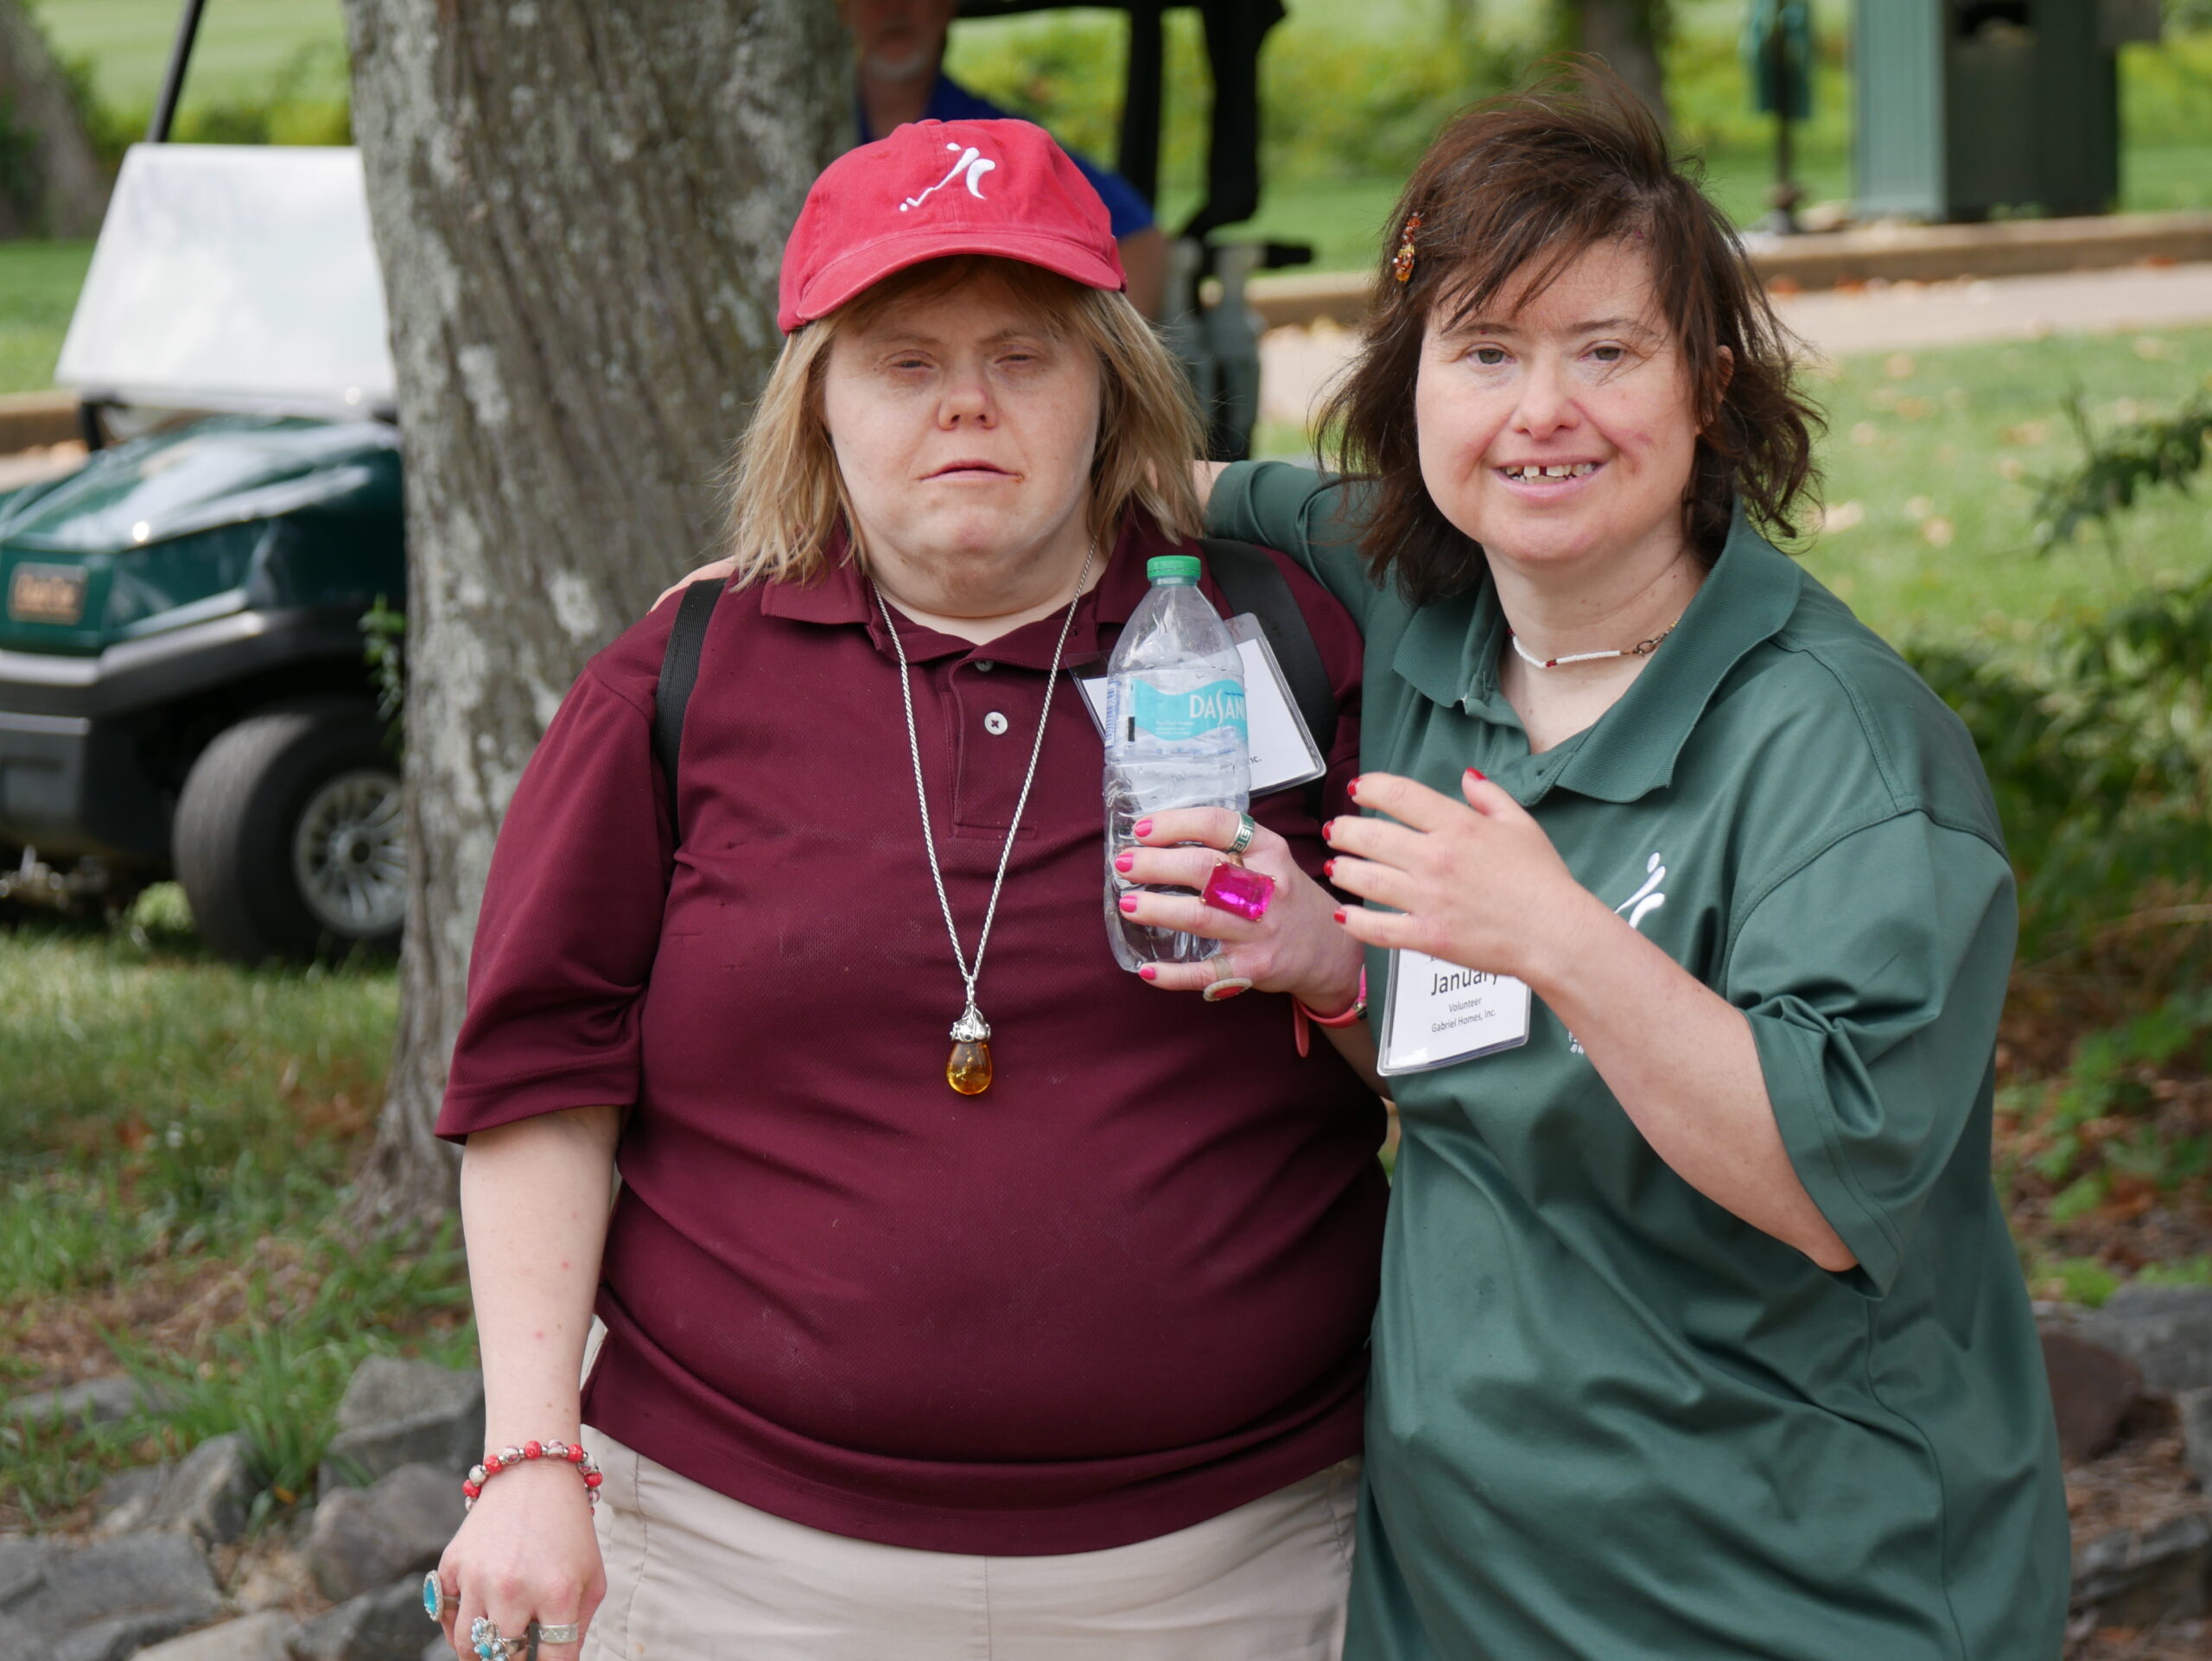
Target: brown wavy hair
(1513, 191)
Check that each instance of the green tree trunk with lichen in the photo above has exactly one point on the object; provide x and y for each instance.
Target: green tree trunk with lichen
(580, 212)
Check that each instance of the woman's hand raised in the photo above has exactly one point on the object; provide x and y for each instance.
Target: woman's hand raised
(1294, 946)
(1476, 884)
(525, 1552)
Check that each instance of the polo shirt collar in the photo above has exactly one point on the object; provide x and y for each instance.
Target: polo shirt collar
(1451, 650)
(841, 595)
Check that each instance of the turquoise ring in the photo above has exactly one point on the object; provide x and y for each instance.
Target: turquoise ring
(434, 1596)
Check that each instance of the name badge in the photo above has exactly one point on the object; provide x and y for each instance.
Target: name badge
(1439, 1013)
(1283, 752)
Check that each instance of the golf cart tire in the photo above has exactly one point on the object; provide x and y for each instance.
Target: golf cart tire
(238, 820)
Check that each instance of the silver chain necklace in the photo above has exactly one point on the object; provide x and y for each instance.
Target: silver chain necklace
(967, 1070)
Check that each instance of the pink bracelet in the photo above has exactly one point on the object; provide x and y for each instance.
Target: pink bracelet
(494, 1463)
(1300, 1016)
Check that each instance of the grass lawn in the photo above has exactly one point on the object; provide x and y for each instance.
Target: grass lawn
(38, 290)
(173, 1156)
(244, 46)
(1931, 457)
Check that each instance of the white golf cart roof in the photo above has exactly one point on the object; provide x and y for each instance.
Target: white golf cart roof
(232, 276)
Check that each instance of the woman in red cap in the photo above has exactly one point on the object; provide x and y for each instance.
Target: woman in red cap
(1071, 1367)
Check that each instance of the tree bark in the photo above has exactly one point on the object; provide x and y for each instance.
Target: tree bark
(1629, 35)
(579, 210)
(51, 181)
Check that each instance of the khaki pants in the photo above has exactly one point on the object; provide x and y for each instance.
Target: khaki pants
(694, 1575)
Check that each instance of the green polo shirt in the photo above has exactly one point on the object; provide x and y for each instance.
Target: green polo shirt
(1610, 1421)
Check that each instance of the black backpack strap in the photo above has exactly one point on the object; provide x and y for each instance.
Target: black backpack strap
(679, 669)
(1251, 581)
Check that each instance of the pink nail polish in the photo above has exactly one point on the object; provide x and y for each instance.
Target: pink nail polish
(1129, 902)
(1338, 915)
(1125, 863)
(1142, 828)
(1329, 868)
(1352, 790)
(1148, 973)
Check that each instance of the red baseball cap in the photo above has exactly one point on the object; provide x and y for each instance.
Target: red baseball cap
(939, 187)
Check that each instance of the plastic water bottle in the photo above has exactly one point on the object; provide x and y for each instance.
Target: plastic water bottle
(1175, 737)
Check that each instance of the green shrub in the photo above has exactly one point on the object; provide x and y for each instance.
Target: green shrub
(2100, 756)
(1334, 108)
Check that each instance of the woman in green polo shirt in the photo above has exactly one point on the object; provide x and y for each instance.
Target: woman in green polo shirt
(1700, 1334)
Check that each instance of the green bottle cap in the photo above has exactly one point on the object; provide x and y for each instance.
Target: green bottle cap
(1173, 568)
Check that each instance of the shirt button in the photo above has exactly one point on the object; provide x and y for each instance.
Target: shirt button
(984, 665)
(994, 723)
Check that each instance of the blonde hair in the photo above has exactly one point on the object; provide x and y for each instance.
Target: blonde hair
(787, 496)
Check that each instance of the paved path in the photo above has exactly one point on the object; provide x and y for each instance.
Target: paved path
(1296, 362)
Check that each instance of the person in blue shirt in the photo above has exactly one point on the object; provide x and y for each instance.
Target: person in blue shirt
(900, 48)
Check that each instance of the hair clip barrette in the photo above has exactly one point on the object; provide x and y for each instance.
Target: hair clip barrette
(1401, 263)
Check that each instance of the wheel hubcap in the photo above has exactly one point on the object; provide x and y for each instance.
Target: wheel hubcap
(349, 854)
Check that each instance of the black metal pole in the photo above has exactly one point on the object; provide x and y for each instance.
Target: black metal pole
(1786, 193)
(1141, 100)
(187, 29)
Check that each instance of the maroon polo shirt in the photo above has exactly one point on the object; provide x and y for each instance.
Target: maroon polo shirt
(1126, 1289)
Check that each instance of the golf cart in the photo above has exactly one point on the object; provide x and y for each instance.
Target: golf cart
(184, 689)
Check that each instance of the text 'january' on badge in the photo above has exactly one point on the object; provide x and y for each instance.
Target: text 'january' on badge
(1437, 1014)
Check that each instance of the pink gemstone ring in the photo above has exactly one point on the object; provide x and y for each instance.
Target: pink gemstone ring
(1239, 891)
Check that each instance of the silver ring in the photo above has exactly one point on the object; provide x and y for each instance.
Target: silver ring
(1247, 828)
(433, 1597)
(562, 1632)
(484, 1637)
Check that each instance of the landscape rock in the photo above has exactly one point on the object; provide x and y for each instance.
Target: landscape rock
(95, 1401)
(256, 1638)
(275, 1578)
(22, 1565)
(126, 1499)
(387, 1625)
(2166, 1330)
(396, 1413)
(363, 1538)
(2143, 1578)
(2091, 1389)
(2193, 1409)
(102, 1602)
(209, 1495)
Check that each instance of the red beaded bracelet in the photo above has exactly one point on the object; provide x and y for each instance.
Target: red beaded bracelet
(1300, 1016)
(494, 1464)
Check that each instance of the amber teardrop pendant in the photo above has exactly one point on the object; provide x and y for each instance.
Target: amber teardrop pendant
(969, 1071)
(968, 1068)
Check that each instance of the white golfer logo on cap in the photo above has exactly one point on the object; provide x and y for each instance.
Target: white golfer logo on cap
(972, 161)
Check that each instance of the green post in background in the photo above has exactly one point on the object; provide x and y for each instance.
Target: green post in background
(1967, 109)
(1778, 52)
